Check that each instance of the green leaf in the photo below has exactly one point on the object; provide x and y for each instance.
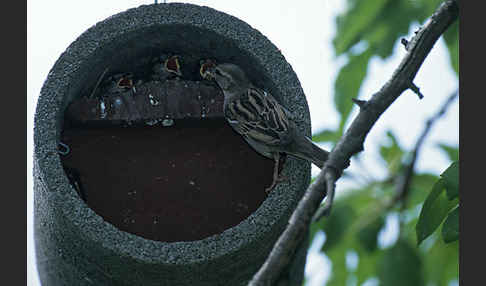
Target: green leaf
(352, 24)
(420, 187)
(367, 264)
(392, 153)
(392, 23)
(345, 210)
(428, 7)
(452, 152)
(368, 235)
(451, 37)
(348, 83)
(450, 229)
(337, 256)
(451, 180)
(435, 209)
(401, 265)
(325, 136)
(339, 272)
(336, 225)
(441, 262)
(381, 34)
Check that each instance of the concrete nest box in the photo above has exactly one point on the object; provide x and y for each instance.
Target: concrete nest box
(138, 179)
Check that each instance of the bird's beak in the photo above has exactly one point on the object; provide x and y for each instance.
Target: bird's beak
(207, 71)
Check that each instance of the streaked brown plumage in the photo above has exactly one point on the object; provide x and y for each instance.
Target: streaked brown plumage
(265, 124)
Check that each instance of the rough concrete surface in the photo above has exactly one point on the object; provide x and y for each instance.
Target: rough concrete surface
(74, 245)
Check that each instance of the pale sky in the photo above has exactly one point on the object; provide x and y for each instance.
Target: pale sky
(303, 31)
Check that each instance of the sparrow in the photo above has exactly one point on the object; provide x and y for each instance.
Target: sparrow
(172, 65)
(206, 67)
(268, 127)
(169, 68)
(118, 83)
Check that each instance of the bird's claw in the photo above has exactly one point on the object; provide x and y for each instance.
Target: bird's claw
(277, 180)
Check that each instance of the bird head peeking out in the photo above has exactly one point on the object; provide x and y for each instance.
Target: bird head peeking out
(230, 78)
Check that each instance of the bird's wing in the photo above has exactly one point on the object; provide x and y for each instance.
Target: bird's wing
(257, 115)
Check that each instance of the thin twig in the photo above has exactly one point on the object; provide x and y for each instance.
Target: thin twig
(98, 82)
(325, 210)
(352, 142)
(403, 185)
(416, 90)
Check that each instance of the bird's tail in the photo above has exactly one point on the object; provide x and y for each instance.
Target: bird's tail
(308, 150)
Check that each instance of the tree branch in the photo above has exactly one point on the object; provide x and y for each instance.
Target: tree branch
(352, 141)
(402, 187)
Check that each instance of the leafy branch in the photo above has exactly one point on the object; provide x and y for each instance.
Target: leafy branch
(352, 142)
(403, 185)
(403, 180)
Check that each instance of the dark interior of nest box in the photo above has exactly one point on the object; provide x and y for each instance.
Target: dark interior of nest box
(182, 181)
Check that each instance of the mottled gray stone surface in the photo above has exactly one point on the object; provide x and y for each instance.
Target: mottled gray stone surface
(74, 245)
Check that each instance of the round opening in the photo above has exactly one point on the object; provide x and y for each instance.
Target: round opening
(165, 172)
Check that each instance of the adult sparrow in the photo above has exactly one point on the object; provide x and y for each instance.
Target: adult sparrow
(265, 124)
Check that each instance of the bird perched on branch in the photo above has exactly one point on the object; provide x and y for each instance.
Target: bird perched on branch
(265, 124)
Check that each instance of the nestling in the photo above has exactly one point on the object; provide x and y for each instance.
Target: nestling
(265, 124)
